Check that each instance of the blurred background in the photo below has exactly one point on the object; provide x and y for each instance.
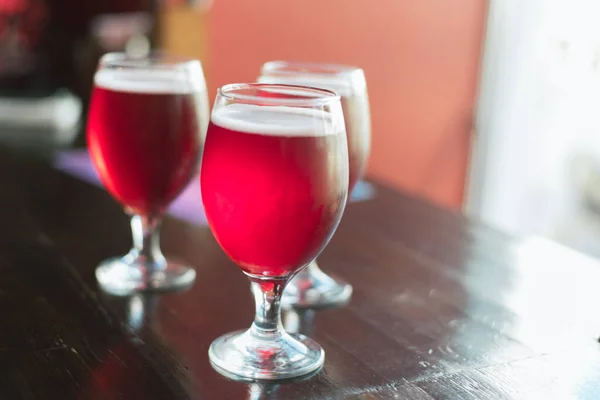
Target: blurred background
(482, 107)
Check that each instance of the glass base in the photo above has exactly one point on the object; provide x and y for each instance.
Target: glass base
(244, 355)
(123, 276)
(312, 288)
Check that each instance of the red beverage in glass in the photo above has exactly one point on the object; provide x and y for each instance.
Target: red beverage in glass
(145, 138)
(274, 185)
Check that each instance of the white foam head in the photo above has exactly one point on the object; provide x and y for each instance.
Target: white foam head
(277, 120)
(151, 81)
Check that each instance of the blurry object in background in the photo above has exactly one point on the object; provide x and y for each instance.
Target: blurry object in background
(584, 172)
(21, 23)
(183, 32)
(31, 60)
(577, 223)
(35, 106)
(49, 50)
(138, 46)
(196, 4)
(127, 31)
(51, 120)
(535, 167)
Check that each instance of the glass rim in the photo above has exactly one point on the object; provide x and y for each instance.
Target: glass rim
(320, 97)
(309, 68)
(154, 60)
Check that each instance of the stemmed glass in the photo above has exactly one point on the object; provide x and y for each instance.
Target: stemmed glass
(312, 287)
(146, 129)
(274, 183)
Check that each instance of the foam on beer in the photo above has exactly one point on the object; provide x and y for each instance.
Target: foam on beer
(149, 81)
(276, 120)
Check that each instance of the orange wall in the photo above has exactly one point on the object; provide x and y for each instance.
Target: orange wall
(184, 32)
(421, 59)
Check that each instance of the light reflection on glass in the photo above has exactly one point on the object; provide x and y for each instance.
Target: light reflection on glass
(262, 391)
(298, 321)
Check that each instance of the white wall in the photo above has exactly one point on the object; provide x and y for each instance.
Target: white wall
(539, 107)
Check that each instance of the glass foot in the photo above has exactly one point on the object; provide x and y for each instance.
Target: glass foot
(312, 288)
(123, 276)
(246, 356)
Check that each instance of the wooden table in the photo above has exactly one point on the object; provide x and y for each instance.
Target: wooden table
(444, 306)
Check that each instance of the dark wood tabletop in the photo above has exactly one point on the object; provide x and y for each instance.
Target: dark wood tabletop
(444, 307)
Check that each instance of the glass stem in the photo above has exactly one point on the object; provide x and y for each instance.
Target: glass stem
(146, 242)
(267, 296)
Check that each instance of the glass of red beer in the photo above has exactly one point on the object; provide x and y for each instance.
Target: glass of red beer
(312, 288)
(274, 182)
(146, 128)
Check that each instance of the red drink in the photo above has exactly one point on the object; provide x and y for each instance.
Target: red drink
(274, 184)
(144, 137)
